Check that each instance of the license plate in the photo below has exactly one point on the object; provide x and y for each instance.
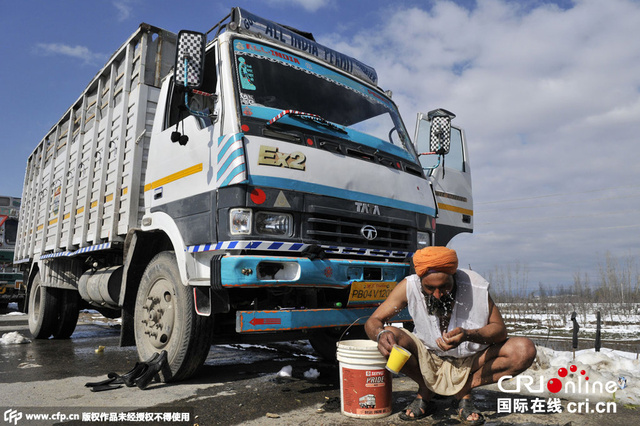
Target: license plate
(369, 293)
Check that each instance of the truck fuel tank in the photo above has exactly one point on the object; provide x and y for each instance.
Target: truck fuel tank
(101, 287)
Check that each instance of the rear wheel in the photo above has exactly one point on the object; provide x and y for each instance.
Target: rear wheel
(68, 314)
(43, 309)
(165, 319)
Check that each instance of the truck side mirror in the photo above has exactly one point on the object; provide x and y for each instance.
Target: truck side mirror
(440, 133)
(189, 68)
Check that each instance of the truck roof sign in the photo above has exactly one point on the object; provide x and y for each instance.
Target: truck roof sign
(263, 27)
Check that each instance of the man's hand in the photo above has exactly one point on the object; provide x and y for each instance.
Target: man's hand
(396, 301)
(452, 339)
(386, 342)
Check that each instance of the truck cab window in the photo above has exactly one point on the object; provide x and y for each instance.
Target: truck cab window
(196, 102)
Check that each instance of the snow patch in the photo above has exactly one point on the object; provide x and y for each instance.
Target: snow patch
(312, 373)
(13, 338)
(603, 369)
(285, 371)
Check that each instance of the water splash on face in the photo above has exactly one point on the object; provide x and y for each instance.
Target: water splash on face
(439, 307)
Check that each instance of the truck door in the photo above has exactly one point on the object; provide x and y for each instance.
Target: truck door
(450, 177)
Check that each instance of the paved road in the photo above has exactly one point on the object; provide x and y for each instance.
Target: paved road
(237, 385)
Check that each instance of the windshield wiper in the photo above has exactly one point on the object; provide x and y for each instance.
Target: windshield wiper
(306, 116)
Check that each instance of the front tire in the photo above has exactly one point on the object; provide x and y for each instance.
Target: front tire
(165, 319)
(43, 309)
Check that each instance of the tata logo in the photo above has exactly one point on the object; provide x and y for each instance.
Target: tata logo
(369, 232)
(367, 208)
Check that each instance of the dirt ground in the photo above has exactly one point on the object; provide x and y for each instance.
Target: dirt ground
(404, 389)
(236, 386)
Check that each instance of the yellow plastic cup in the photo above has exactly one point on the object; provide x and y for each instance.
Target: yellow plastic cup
(397, 359)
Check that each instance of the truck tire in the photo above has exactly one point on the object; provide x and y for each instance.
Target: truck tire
(68, 314)
(324, 341)
(43, 309)
(165, 319)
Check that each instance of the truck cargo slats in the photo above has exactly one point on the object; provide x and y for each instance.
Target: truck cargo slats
(83, 181)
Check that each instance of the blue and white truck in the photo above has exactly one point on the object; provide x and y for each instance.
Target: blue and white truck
(243, 184)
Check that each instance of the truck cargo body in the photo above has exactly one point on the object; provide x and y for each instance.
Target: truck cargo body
(282, 198)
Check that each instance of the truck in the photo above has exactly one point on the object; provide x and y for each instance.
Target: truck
(11, 281)
(237, 185)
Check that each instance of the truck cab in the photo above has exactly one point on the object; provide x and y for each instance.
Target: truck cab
(261, 187)
(295, 190)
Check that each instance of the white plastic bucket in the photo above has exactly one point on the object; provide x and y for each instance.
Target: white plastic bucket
(365, 383)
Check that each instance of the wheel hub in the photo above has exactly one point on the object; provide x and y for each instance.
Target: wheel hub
(159, 314)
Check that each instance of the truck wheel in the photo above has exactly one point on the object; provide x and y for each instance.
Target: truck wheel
(324, 341)
(43, 309)
(165, 319)
(68, 314)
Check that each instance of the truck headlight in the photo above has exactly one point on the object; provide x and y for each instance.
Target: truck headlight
(423, 240)
(274, 223)
(240, 221)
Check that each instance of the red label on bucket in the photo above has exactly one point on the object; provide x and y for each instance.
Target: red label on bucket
(366, 392)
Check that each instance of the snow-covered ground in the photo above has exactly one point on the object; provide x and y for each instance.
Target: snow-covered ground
(619, 322)
(608, 375)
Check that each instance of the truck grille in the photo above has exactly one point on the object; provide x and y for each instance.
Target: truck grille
(333, 230)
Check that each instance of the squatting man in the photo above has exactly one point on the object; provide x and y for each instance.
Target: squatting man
(459, 341)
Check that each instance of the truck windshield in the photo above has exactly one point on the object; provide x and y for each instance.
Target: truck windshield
(270, 80)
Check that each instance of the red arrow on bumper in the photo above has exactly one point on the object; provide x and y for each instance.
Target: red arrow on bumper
(264, 321)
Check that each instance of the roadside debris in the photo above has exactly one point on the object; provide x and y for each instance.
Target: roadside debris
(330, 405)
(285, 371)
(28, 365)
(140, 375)
(13, 338)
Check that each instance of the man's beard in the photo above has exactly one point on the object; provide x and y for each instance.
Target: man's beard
(440, 308)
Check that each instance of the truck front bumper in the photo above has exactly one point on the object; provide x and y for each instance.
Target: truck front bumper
(236, 272)
(269, 271)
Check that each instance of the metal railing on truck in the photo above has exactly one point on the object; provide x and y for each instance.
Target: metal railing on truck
(83, 182)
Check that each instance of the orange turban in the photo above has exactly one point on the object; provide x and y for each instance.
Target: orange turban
(440, 259)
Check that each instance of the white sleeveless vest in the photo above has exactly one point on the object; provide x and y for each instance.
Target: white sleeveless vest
(470, 311)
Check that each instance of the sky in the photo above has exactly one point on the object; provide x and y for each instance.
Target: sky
(548, 93)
